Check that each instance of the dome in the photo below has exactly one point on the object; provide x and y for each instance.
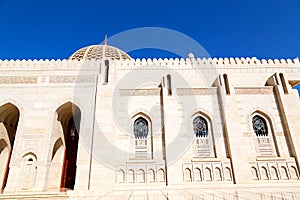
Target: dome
(97, 52)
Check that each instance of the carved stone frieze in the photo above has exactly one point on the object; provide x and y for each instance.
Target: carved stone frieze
(18, 79)
(254, 91)
(72, 79)
(140, 92)
(196, 91)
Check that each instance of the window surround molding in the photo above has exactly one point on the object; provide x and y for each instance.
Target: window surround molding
(269, 139)
(149, 139)
(210, 134)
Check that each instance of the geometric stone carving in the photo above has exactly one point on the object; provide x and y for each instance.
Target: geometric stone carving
(202, 147)
(196, 91)
(206, 171)
(72, 79)
(253, 91)
(277, 170)
(136, 172)
(18, 79)
(139, 92)
(265, 146)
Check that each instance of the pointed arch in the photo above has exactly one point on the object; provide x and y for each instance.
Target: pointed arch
(198, 175)
(187, 174)
(254, 173)
(65, 136)
(29, 171)
(227, 174)
(203, 133)
(207, 174)
(58, 145)
(260, 126)
(151, 175)
(161, 175)
(268, 116)
(264, 173)
(142, 114)
(130, 176)
(141, 176)
(218, 174)
(263, 133)
(294, 173)
(121, 176)
(142, 132)
(283, 173)
(9, 119)
(200, 126)
(274, 173)
(141, 128)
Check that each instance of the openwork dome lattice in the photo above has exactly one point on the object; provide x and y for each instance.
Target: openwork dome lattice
(97, 52)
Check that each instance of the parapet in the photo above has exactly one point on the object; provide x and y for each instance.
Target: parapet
(135, 63)
(210, 62)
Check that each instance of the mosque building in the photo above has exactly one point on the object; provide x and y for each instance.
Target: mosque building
(102, 124)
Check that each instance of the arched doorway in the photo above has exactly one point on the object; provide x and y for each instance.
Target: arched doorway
(69, 115)
(9, 118)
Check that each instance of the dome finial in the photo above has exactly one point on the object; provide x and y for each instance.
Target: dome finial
(105, 39)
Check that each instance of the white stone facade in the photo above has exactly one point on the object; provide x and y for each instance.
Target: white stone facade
(71, 124)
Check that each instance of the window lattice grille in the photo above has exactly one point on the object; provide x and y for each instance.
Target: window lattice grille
(259, 126)
(200, 127)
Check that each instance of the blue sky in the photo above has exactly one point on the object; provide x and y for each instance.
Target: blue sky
(233, 28)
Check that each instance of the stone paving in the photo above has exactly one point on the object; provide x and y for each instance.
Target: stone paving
(209, 194)
(237, 193)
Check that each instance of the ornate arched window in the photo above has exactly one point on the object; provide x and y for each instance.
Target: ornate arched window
(141, 128)
(203, 138)
(259, 126)
(200, 127)
(262, 130)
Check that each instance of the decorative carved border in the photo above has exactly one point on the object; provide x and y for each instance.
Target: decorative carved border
(196, 91)
(72, 79)
(272, 169)
(52, 79)
(18, 79)
(253, 91)
(140, 92)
